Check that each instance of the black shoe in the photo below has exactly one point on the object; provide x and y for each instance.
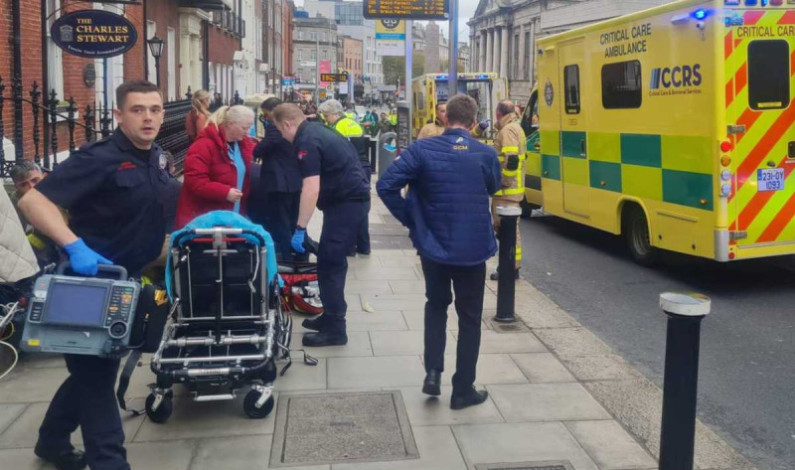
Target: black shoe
(432, 384)
(472, 398)
(314, 324)
(72, 460)
(363, 252)
(495, 276)
(324, 338)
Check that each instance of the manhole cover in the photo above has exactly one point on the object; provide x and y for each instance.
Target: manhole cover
(557, 465)
(344, 427)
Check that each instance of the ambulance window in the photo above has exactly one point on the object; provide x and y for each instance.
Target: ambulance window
(571, 84)
(621, 85)
(768, 74)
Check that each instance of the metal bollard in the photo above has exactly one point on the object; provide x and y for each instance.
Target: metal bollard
(506, 272)
(677, 436)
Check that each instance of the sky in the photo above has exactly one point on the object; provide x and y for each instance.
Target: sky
(466, 8)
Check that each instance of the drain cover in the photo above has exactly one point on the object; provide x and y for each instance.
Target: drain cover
(557, 465)
(344, 427)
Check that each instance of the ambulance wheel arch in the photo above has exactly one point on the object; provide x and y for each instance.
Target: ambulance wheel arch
(637, 233)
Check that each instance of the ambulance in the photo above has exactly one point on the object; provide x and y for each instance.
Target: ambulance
(674, 127)
(487, 89)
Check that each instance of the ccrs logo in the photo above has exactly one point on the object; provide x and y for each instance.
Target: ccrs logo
(390, 23)
(676, 77)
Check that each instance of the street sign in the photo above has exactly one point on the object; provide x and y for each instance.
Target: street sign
(334, 77)
(95, 34)
(407, 9)
(390, 37)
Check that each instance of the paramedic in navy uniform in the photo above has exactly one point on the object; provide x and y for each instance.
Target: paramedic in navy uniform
(334, 181)
(111, 189)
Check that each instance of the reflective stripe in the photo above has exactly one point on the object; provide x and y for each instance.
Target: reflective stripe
(510, 150)
(509, 192)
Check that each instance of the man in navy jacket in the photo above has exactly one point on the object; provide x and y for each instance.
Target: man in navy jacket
(450, 179)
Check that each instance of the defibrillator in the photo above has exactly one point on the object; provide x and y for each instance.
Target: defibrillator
(81, 315)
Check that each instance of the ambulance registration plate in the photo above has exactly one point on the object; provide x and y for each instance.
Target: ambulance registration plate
(770, 179)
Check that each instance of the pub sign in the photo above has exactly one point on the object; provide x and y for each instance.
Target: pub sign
(94, 34)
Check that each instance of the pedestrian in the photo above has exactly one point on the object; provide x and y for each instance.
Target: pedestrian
(511, 145)
(437, 127)
(17, 259)
(216, 166)
(332, 114)
(111, 189)
(197, 117)
(370, 123)
(280, 183)
(218, 101)
(447, 213)
(385, 125)
(334, 181)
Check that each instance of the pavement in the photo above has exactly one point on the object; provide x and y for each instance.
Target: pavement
(552, 386)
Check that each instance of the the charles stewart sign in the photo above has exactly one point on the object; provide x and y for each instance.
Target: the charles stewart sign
(94, 33)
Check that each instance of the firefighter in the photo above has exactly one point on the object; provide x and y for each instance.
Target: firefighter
(436, 128)
(510, 144)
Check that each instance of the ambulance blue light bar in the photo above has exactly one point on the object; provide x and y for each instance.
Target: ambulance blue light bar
(732, 3)
(700, 14)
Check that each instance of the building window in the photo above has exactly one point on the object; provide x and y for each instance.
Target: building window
(528, 57)
(621, 85)
(515, 73)
(571, 87)
(768, 74)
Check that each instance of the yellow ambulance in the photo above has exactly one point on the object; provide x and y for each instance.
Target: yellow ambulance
(487, 89)
(674, 127)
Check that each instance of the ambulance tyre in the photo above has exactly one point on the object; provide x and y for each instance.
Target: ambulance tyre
(163, 412)
(636, 232)
(527, 208)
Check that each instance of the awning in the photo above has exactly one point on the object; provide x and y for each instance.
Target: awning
(205, 4)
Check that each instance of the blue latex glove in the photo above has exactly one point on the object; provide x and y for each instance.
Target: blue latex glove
(298, 240)
(83, 259)
(485, 124)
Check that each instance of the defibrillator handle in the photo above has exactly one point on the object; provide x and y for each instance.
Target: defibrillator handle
(119, 271)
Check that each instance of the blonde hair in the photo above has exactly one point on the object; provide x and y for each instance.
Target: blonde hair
(226, 115)
(198, 102)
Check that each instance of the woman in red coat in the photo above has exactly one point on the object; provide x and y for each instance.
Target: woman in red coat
(216, 166)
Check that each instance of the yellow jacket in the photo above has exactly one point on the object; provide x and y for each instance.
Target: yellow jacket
(431, 129)
(511, 141)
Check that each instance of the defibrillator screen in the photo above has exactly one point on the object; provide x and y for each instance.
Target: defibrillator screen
(74, 304)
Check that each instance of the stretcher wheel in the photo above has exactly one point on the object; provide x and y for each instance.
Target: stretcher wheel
(163, 412)
(249, 405)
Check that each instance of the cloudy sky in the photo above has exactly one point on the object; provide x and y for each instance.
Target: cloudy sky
(466, 8)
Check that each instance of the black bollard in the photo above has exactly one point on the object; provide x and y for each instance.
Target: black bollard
(677, 436)
(506, 271)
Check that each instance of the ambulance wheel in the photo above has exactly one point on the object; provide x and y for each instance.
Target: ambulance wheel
(527, 208)
(163, 412)
(636, 231)
(249, 405)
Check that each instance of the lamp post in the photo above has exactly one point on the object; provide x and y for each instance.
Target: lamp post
(156, 48)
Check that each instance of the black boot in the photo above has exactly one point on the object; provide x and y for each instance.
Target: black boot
(325, 338)
(433, 382)
(72, 460)
(495, 276)
(471, 398)
(314, 324)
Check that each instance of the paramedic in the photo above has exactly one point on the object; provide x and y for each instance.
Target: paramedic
(334, 181)
(112, 190)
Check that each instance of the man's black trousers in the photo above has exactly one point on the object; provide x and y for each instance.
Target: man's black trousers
(280, 216)
(341, 222)
(86, 398)
(468, 283)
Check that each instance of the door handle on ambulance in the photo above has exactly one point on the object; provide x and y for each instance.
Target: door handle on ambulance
(582, 147)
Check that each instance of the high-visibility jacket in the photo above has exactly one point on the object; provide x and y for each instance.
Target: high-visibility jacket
(351, 115)
(510, 144)
(354, 132)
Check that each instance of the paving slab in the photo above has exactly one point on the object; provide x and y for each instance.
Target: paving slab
(9, 412)
(381, 273)
(40, 360)
(31, 384)
(193, 419)
(609, 445)
(492, 342)
(371, 286)
(174, 455)
(237, 453)
(401, 343)
(491, 369)
(374, 372)
(438, 451)
(605, 367)
(302, 376)
(22, 459)
(573, 342)
(24, 431)
(546, 402)
(520, 442)
(375, 321)
(395, 301)
(425, 410)
(542, 368)
(408, 287)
